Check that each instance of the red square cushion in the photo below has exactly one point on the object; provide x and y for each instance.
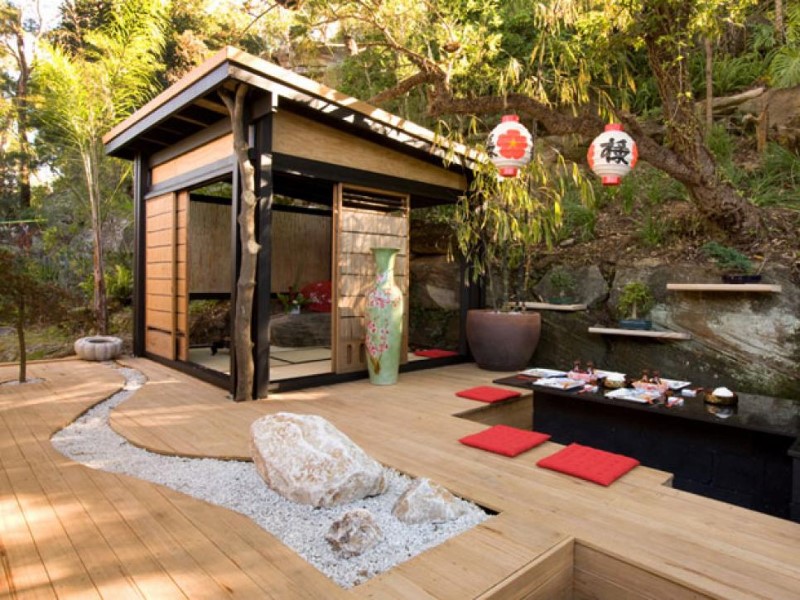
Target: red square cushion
(435, 353)
(487, 393)
(505, 440)
(319, 295)
(588, 463)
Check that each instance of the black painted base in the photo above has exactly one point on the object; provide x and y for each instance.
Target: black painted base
(747, 468)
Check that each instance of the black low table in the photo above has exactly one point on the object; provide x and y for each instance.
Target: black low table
(748, 455)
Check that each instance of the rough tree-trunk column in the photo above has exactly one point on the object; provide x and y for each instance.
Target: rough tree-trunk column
(245, 286)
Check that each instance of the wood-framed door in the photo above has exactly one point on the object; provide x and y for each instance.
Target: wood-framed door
(364, 218)
(166, 297)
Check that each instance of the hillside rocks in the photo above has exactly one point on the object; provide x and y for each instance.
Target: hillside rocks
(306, 459)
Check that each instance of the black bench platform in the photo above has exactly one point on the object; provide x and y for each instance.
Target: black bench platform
(750, 457)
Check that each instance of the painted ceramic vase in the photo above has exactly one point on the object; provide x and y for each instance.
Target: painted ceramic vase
(384, 320)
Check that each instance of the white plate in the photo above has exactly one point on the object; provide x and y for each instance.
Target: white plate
(560, 383)
(631, 395)
(674, 384)
(607, 374)
(543, 373)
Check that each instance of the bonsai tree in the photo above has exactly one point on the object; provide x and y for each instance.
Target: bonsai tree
(729, 260)
(562, 284)
(635, 301)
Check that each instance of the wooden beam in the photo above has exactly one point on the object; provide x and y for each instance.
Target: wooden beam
(262, 143)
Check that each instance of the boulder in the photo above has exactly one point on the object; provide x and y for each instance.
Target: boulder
(435, 282)
(427, 502)
(306, 459)
(355, 533)
(590, 285)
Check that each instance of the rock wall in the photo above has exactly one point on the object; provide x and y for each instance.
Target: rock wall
(747, 341)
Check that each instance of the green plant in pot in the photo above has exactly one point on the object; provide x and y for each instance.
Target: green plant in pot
(735, 266)
(635, 302)
(498, 225)
(562, 286)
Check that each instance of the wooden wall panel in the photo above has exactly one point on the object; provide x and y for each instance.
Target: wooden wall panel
(181, 307)
(357, 231)
(298, 136)
(210, 247)
(213, 151)
(301, 249)
(166, 300)
(159, 342)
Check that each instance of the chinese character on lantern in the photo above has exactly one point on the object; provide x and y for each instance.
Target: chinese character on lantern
(612, 154)
(510, 146)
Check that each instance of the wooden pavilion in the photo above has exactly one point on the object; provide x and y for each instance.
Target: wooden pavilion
(334, 178)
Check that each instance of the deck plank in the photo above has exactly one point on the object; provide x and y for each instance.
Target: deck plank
(77, 532)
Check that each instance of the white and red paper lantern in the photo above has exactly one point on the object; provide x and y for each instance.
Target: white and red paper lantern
(612, 154)
(510, 146)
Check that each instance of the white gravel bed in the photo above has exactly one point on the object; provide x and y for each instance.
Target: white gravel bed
(236, 485)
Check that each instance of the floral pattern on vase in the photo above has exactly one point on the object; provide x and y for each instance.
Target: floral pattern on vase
(384, 320)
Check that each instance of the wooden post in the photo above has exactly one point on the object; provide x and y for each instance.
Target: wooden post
(261, 312)
(245, 287)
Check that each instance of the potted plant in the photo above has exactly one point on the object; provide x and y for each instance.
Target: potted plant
(635, 302)
(736, 267)
(562, 286)
(498, 224)
(293, 301)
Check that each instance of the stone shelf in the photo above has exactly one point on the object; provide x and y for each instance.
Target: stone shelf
(725, 287)
(648, 333)
(548, 306)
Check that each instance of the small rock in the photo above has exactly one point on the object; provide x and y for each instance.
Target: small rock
(427, 502)
(306, 459)
(355, 533)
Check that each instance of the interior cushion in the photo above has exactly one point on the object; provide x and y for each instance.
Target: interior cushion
(435, 353)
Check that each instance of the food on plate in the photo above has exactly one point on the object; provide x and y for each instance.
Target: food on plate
(614, 381)
(722, 395)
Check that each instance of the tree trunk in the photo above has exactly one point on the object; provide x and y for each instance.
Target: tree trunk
(717, 200)
(709, 84)
(20, 105)
(91, 172)
(245, 287)
(23, 350)
(780, 29)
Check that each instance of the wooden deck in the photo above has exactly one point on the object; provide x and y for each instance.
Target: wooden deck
(70, 531)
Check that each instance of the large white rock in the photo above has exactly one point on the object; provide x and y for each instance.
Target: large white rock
(306, 459)
(355, 533)
(427, 502)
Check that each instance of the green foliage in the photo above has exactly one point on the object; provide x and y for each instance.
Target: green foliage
(777, 181)
(120, 284)
(653, 231)
(635, 300)
(784, 67)
(728, 259)
(501, 220)
(24, 298)
(730, 74)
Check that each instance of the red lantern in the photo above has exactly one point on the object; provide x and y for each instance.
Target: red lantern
(510, 146)
(612, 154)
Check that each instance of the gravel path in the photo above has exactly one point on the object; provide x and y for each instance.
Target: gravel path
(236, 485)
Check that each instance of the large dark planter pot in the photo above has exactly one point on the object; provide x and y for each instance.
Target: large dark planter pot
(503, 341)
